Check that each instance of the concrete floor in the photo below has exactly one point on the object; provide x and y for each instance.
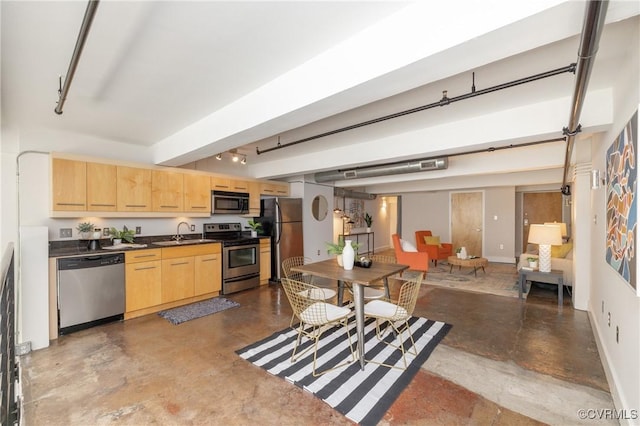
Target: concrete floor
(504, 362)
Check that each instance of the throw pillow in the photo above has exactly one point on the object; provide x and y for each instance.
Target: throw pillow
(561, 251)
(407, 246)
(432, 241)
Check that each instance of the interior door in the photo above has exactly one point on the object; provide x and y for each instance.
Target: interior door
(466, 221)
(539, 207)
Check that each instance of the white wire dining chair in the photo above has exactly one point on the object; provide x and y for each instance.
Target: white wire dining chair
(316, 317)
(397, 313)
(320, 293)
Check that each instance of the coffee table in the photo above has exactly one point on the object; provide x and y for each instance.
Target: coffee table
(471, 262)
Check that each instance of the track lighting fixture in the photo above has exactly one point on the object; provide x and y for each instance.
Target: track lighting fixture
(235, 157)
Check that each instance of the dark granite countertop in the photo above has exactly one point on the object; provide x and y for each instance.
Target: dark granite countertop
(81, 247)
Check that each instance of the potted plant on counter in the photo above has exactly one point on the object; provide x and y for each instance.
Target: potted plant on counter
(368, 220)
(118, 236)
(85, 230)
(255, 227)
(88, 231)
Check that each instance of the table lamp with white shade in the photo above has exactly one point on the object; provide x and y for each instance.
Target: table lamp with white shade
(545, 236)
(563, 229)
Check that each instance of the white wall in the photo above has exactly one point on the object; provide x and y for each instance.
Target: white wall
(609, 294)
(316, 233)
(425, 210)
(431, 210)
(500, 224)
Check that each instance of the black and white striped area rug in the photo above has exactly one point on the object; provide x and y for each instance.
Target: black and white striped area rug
(362, 396)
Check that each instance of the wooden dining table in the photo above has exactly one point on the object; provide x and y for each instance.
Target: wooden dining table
(359, 278)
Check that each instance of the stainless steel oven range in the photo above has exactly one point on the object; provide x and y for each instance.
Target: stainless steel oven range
(240, 256)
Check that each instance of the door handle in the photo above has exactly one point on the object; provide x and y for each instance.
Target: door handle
(478, 229)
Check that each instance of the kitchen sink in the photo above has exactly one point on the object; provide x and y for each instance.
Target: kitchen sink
(183, 242)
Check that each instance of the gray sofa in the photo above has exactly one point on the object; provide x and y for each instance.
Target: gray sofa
(564, 264)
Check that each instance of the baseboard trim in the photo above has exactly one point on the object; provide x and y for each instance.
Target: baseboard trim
(616, 394)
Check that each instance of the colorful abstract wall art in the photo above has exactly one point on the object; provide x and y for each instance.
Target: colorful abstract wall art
(622, 202)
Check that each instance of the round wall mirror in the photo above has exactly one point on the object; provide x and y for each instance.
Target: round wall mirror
(319, 207)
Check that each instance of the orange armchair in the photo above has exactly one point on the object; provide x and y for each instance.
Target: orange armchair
(436, 252)
(418, 261)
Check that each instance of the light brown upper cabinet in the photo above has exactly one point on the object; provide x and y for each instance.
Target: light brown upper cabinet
(239, 185)
(166, 191)
(220, 183)
(274, 188)
(101, 187)
(254, 198)
(134, 189)
(197, 193)
(69, 185)
(223, 183)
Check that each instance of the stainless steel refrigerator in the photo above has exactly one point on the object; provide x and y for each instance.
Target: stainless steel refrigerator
(281, 218)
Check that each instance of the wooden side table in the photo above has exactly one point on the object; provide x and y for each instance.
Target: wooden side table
(553, 277)
(472, 262)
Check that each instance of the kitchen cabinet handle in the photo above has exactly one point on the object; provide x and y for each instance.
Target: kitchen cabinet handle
(168, 207)
(144, 255)
(146, 267)
(102, 205)
(135, 205)
(222, 186)
(210, 260)
(181, 263)
(198, 207)
(70, 204)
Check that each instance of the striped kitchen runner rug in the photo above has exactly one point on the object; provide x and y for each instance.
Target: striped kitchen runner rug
(363, 396)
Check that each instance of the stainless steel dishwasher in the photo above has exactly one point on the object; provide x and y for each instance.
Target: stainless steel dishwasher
(91, 291)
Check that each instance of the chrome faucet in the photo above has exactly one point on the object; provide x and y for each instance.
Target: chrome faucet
(179, 237)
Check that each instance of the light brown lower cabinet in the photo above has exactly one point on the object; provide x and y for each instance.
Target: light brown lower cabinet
(265, 261)
(143, 275)
(159, 279)
(144, 281)
(208, 273)
(177, 279)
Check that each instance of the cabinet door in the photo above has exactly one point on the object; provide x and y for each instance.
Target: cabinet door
(143, 281)
(239, 185)
(273, 188)
(265, 261)
(101, 187)
(208, 273)
(254, 198)
(133, 189)
(69, 185)
(167, 191)
(197, 193)
(220, 183)
(177, 279)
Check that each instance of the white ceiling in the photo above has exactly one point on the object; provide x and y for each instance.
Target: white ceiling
(186, 80)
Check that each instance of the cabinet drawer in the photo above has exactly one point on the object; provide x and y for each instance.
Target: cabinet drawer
(142, 255)
(190, 250)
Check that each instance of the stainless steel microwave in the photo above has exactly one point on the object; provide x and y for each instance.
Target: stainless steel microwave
(224, 202)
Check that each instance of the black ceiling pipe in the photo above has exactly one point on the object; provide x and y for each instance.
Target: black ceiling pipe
(442, 102)
(77, 51)
(592, 27)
